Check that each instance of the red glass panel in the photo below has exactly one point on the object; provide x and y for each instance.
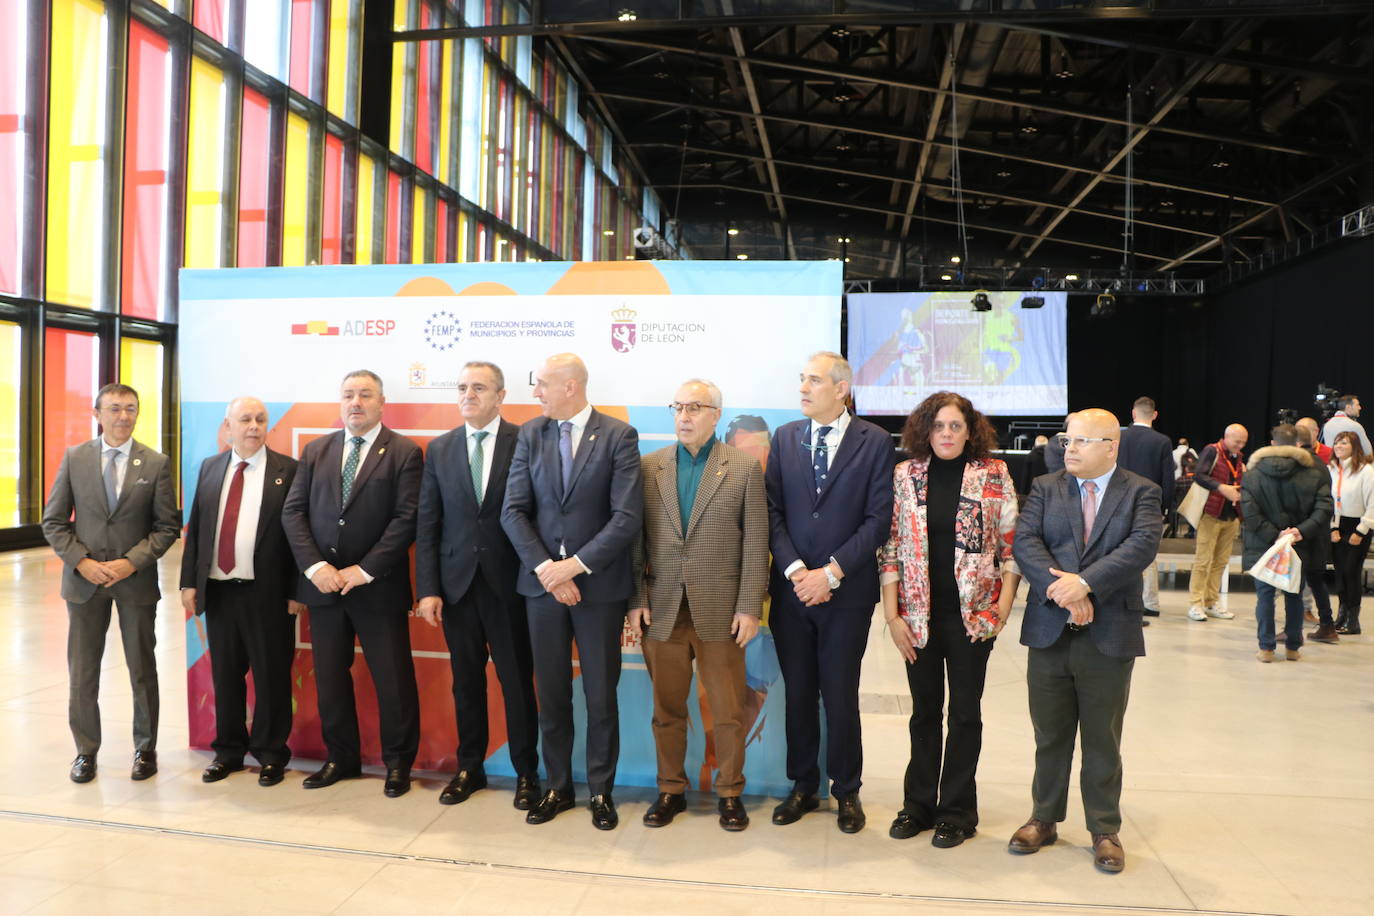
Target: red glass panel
(393, 219)
(441, 233)
(302, 49)
(331, 237)
(209, 18)
(71, 363)
(145, 174)
(13, 62)
(254, 163)
(424, 105)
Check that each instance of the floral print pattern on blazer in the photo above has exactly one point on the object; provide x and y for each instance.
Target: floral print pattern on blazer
(984, 525)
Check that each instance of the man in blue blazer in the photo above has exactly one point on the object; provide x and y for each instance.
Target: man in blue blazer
(465, 571)
(829, 485)
(574, 504)
(1149, 453)
(350, 520)
(1083, 538)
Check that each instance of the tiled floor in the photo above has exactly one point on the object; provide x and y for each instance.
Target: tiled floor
(1249, 789)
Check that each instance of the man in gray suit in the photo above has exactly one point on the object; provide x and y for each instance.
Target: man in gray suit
(1084, 537)
(111, 513)
(701, 573)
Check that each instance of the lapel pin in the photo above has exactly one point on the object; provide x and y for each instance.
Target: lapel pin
(592, 438)
(278, 481)
(720, 473)
(381, 451)
(137, 462)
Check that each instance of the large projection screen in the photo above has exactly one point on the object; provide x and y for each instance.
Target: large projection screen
(288, 336)
(1010, 361)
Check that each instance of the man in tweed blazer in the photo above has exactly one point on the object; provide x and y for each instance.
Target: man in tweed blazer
(701, 571)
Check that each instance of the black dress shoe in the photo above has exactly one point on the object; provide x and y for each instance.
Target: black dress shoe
(733, 817)
(550, 806)
(526, 792)
(794, 806)
(603, 812)
(904, 826)
(666, 807)
(83, 768)
(218, 769)
(397, 782)
(947, 836)
(1150, 612)
(851, 817)
(329, 774)
(145, 765)
(461, 787)
(269, 774)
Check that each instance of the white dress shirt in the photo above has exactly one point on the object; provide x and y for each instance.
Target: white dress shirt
(833, 438)
(122, 468)
(488, 448)
(250, 504)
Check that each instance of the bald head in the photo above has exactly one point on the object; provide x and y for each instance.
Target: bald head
(245, 425)
(1235, 437)
(1093, 439)
(560, 384)
(1309, 426)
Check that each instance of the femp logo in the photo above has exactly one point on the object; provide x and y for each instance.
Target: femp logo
(624, 333)
(443, 330)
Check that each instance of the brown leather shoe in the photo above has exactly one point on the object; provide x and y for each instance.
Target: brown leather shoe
(1108, 855)
(1032, 835)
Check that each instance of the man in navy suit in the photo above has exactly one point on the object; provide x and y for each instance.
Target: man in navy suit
(574, 504)
(350, 519)
(1082, 540)
(1150, 454)
(829, 484)
(465, 570)
(237, 570)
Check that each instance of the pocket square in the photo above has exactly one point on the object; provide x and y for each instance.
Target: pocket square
(140, 482)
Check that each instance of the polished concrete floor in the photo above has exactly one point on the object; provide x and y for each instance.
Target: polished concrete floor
(1249, 789)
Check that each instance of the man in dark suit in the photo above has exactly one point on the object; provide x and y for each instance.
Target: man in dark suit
(237, 570)
(111, 514)
(1149, 454)
(829, 485)
(1082, 540)
(573, 506)
(350, 519)
(465, 570)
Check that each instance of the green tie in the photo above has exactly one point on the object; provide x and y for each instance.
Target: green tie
(476, 463)
(351, 466)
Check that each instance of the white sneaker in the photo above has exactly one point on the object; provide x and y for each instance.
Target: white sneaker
(1196, 613)
(1220, 613)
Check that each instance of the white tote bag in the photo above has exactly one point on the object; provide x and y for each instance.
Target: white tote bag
(1280, 566)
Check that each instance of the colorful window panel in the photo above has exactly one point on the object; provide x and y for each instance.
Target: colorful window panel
(331, 225)
(403, 62)
(205, 166)
(266, 28)
(71, 369)
(365, 237)
(344, 40)
(393, 219)
(296, 205)
(14, 147)
(306, 74)
(140, 367)
(147, 158)
(421, 205)
(255, 157)
(449, 64)
(443, 253)
(11, 379)
(212, 18)
(77, 229)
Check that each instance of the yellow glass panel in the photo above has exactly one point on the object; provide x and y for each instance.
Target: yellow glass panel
(367, 198)
(402, 83)
(297, 198)
(341, 27)
(140, 366)
(464, 235)
(205, 166)
(76, 154)
(443, 168)
(9, 424)
(418, 238)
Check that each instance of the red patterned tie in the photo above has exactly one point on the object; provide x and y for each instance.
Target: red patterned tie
(1089, 508)
(228, 529)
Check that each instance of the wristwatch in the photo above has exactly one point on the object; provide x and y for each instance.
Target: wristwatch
(830, 577)
(1084, 583)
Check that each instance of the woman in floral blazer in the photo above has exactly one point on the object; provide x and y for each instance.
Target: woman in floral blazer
(948, 585)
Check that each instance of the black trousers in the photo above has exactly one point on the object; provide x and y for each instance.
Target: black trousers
(931, 793)
(484, 623)
(385, 638)
(1349, 563)
(596, 627)
(249, 631)
(1314, 576)
(820, 650)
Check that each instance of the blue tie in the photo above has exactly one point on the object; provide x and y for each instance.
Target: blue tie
(565, 452)
(820, 462)
(112, 478)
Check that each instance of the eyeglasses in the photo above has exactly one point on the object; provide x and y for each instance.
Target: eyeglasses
(691, 409)
(1081, 441)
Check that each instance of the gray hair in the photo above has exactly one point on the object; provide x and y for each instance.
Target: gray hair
(495, 370)
(365, 373)
(840, 370)
(717, 400)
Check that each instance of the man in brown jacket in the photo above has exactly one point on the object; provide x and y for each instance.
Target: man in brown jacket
(701, 572)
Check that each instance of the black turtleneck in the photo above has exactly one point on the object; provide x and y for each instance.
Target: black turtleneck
(945, 480)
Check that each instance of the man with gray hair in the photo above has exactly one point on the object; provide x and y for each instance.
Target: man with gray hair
(701, 573)
(829, 484)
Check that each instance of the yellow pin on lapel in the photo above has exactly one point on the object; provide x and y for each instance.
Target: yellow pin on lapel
(592, 437)
(382, 450)
(137, 462)
(720, 473)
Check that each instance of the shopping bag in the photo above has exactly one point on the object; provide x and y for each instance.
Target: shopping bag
(1280, 566)
(1194, 501)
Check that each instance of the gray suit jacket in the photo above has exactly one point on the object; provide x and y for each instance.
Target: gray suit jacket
(722, 560)
(1124, 539)
(78, 523)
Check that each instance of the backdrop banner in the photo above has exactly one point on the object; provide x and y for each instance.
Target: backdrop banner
(289, 335)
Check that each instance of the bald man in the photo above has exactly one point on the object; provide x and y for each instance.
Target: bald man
(238, 570)
(1084, 536)
(1220, 469)
(574, 504)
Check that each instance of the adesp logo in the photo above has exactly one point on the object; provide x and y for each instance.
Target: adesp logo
(362, 327)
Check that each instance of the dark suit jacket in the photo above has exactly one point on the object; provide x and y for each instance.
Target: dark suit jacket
(596, 519)
(1148, 453)
(374, 530)
(1124, 539)
(454, 536)
(274, 569)
(78, 523)
(849, 520)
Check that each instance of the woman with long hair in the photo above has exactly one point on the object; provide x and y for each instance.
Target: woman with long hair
(1352, 491)
(948, 582)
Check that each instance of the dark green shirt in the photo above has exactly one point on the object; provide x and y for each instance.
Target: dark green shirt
(689, 471)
